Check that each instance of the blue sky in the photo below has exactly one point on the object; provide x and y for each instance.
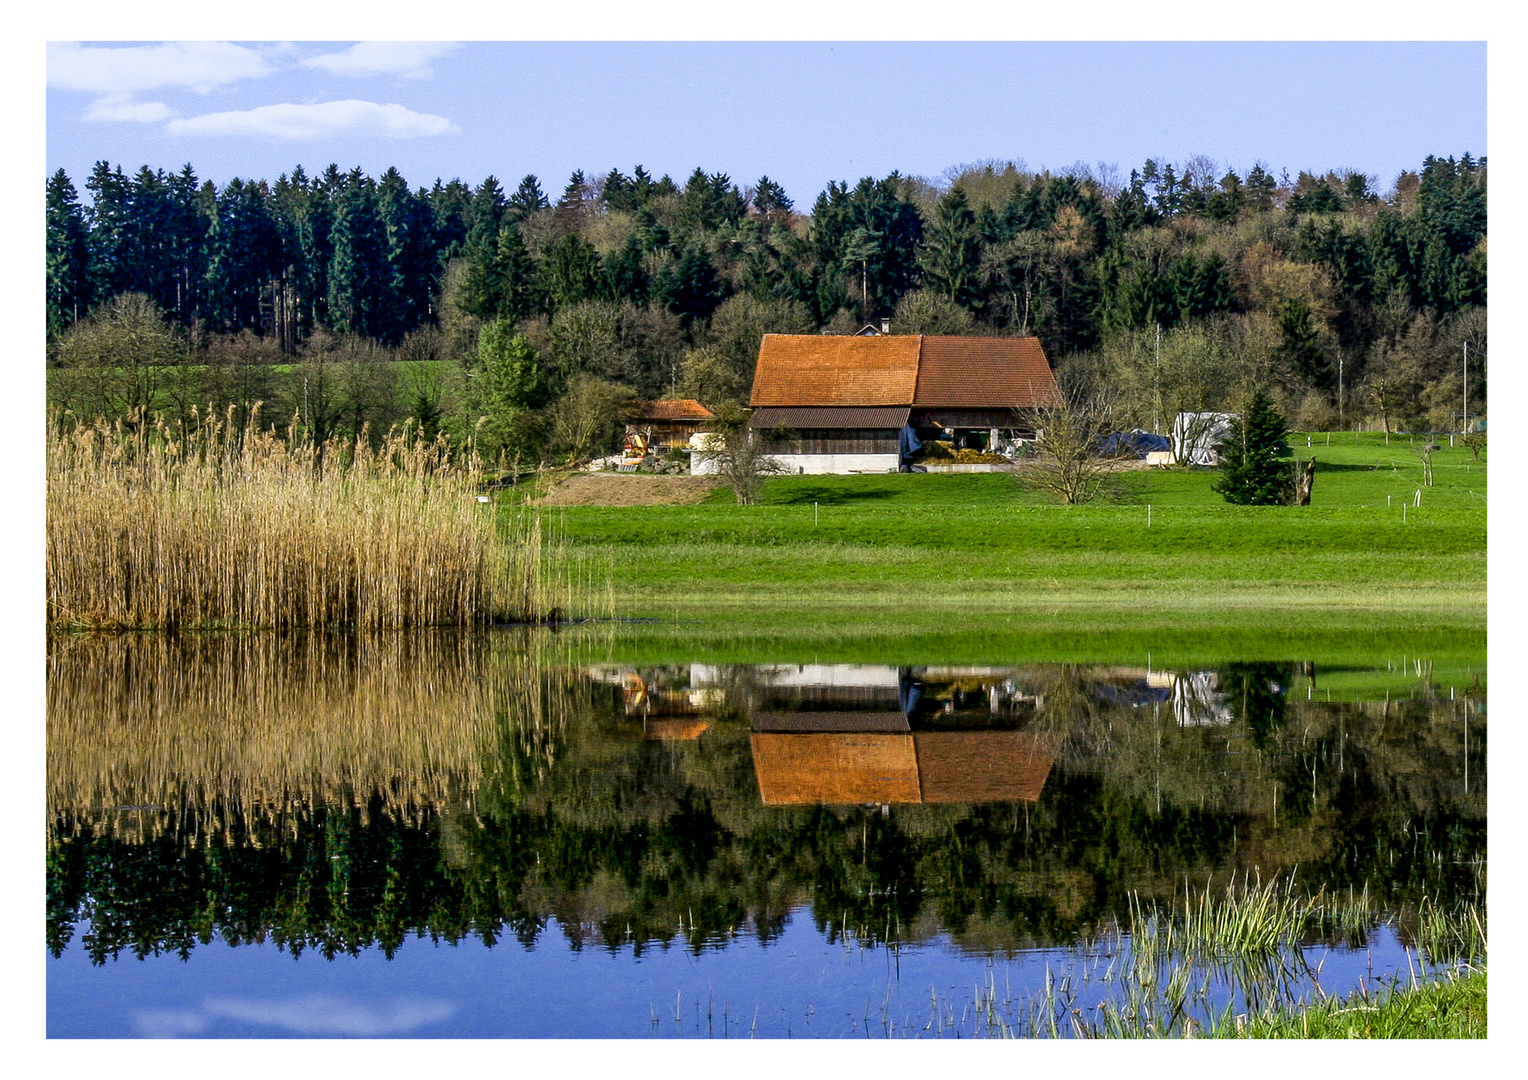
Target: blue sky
(805, 113)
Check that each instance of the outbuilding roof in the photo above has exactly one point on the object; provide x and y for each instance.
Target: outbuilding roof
(679, 409)
(803, 370)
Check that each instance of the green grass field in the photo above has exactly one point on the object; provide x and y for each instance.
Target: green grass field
(974, 562)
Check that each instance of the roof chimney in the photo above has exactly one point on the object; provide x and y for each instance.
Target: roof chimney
(885, 326)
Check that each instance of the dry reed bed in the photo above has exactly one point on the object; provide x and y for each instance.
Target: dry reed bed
(147, 732)
(233, 526)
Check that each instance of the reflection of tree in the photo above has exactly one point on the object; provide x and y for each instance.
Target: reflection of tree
(628, 842)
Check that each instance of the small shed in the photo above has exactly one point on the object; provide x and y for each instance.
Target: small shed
(655, 427)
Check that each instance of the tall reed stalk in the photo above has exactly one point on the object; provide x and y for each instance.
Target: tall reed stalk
(228, 525)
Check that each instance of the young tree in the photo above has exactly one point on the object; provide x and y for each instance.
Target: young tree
(585, 421)
(741, 454)
(1066, 461)
(924, 311)
(116, 359)
(511, 386)
(1252, 471)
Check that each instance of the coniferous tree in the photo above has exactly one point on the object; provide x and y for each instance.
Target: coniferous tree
(112, 232)
(1252, 472)
(243, 253)
(186, 244)
(68, 255)
(571, 272)
(527, 199)
(951, 255)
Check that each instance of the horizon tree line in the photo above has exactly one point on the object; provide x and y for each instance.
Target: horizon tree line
(1327, 294)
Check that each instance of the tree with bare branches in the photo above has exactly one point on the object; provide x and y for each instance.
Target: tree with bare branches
(741, 453)
(1066, 461)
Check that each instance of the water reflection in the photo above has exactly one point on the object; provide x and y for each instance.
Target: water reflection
(342, 794)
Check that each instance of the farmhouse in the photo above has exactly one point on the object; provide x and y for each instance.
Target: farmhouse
(867, 403)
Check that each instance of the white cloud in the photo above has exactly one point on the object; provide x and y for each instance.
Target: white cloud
(200, 65)
(168, 1024)
(410, 59)
(329, 118)
(122, 107)
(325, 1016)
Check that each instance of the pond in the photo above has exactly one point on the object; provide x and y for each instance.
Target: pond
(517, 835)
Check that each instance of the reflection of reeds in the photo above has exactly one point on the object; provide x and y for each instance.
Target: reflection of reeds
(224, 526)
(143, 729)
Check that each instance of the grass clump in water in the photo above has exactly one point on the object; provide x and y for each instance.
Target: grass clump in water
(1453, 1007)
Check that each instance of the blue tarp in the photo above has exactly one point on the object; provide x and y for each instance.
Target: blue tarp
(909, 445)
(1136, 443)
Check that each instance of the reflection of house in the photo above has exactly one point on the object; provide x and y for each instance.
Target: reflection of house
(1195, 696)
(664, 712)
(800, 766)
(847, 400)
(654, 427)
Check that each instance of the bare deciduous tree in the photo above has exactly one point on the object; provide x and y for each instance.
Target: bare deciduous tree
(741, 454)
(1066, 461)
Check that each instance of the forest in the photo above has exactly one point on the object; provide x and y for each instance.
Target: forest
(340, 305)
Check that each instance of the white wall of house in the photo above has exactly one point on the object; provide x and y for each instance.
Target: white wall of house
(837, 463)
(703, 464)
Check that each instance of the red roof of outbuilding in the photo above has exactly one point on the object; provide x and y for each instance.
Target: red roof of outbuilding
(679, 409)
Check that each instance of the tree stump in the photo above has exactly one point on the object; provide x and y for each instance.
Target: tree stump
(1308, 481)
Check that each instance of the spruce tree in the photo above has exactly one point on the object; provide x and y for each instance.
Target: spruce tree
(1251, 470)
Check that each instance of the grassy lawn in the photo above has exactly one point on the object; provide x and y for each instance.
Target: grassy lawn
(969, 557)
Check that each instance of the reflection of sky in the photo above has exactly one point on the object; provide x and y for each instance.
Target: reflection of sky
(799, 986)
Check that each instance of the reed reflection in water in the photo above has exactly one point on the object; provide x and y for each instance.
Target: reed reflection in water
(145, 726)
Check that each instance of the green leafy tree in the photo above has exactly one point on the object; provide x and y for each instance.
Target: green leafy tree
(1253, 471)
(511, 385)
(586, 420)
(571, 272)
(927, 311)
(691, 287)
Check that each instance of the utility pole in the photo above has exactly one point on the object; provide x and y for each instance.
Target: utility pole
(1341, 418)
(1156, 386)
(1466, 387)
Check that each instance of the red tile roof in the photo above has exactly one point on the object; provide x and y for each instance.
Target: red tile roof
(984, 373)
(902, 369)
(830, 369)
(681, 409)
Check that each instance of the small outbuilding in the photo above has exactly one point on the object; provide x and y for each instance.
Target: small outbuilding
(656, 427)
(867, 403)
